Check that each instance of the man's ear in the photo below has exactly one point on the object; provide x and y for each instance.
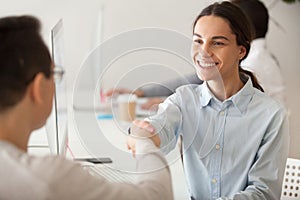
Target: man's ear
(36, 88)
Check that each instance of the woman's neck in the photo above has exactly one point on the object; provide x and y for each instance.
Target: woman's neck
(224, 89)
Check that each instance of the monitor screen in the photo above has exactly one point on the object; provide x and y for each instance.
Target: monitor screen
(56, 126)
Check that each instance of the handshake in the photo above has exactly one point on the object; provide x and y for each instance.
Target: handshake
(141, 130)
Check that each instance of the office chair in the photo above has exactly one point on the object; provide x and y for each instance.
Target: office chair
(291, 180)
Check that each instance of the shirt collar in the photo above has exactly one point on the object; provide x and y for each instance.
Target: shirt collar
(205, 94)
(9, 147)
(240, 100)
(7, 144)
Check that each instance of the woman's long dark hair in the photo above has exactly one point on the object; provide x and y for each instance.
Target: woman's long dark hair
(240, 26)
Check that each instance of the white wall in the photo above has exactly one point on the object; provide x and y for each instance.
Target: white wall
(120, 16)
(82, 33)
(80, 20)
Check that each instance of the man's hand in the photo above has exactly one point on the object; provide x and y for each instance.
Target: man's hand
(141, 130)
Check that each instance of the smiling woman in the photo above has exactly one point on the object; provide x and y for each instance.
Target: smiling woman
(235, 137)
(217, 55)
(227, 44)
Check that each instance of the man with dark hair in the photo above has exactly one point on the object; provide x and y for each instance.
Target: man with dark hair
(20, 45)
(27, 87)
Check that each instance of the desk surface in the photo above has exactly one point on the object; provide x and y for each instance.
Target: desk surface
(106, 138)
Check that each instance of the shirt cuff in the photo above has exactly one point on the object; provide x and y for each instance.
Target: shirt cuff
(144, 146)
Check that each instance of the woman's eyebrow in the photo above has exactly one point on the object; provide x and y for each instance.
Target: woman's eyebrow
(196, 34)
(214, 37)
(220, 37)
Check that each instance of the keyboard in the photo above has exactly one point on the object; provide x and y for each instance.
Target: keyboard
(112, 175)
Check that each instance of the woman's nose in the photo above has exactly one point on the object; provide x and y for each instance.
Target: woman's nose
(206, 49)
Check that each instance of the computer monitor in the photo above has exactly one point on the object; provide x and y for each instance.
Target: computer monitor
(56, 126)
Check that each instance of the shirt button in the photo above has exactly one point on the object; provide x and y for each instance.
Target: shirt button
(222, 113)
(217, 146)
(214, 180)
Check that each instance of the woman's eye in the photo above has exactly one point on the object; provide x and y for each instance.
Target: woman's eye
(218, 43)
(198, 41)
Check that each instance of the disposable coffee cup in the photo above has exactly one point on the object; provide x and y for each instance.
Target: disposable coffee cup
(126, 107)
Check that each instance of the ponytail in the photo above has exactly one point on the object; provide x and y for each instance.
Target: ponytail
(253, 79)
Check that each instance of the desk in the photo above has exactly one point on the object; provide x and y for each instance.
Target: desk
(106, 138)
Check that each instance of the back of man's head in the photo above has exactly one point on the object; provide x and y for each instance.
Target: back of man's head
(257, 13)
(23, 54)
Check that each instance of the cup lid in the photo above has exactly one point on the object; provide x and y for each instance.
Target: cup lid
(127, 98)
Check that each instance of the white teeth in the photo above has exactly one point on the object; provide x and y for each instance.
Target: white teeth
(206, 65)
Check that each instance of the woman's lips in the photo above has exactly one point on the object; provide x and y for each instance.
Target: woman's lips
(204, 64)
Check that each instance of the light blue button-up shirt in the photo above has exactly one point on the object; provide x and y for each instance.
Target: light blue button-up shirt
(235, 149)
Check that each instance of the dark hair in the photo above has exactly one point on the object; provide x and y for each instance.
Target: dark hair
(258, 14)
(23, 54)
(239, 24)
